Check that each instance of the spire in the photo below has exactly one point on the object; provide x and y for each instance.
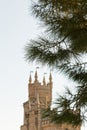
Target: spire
(30, 79)
(44, 81)
(50, 78)
(36, 77)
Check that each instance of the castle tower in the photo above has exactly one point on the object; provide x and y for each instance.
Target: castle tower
(39, 96)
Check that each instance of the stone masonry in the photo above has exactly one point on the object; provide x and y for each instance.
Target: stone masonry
(39, 96)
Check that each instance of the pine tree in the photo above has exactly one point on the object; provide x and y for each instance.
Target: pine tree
(63, 47)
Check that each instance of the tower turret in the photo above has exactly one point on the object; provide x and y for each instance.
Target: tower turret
(50, 78)
(44, 81)
(36, 76)
(39, 98)
(30, 79)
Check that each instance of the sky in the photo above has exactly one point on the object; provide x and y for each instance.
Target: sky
(17, 27)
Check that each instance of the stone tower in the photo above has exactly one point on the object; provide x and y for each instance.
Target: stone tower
(39, 96)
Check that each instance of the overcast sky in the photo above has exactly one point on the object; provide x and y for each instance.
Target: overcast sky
(17, 27)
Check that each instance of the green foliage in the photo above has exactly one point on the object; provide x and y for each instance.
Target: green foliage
(67, 116)
(66, 19)
(62, 48)
(67, 109)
